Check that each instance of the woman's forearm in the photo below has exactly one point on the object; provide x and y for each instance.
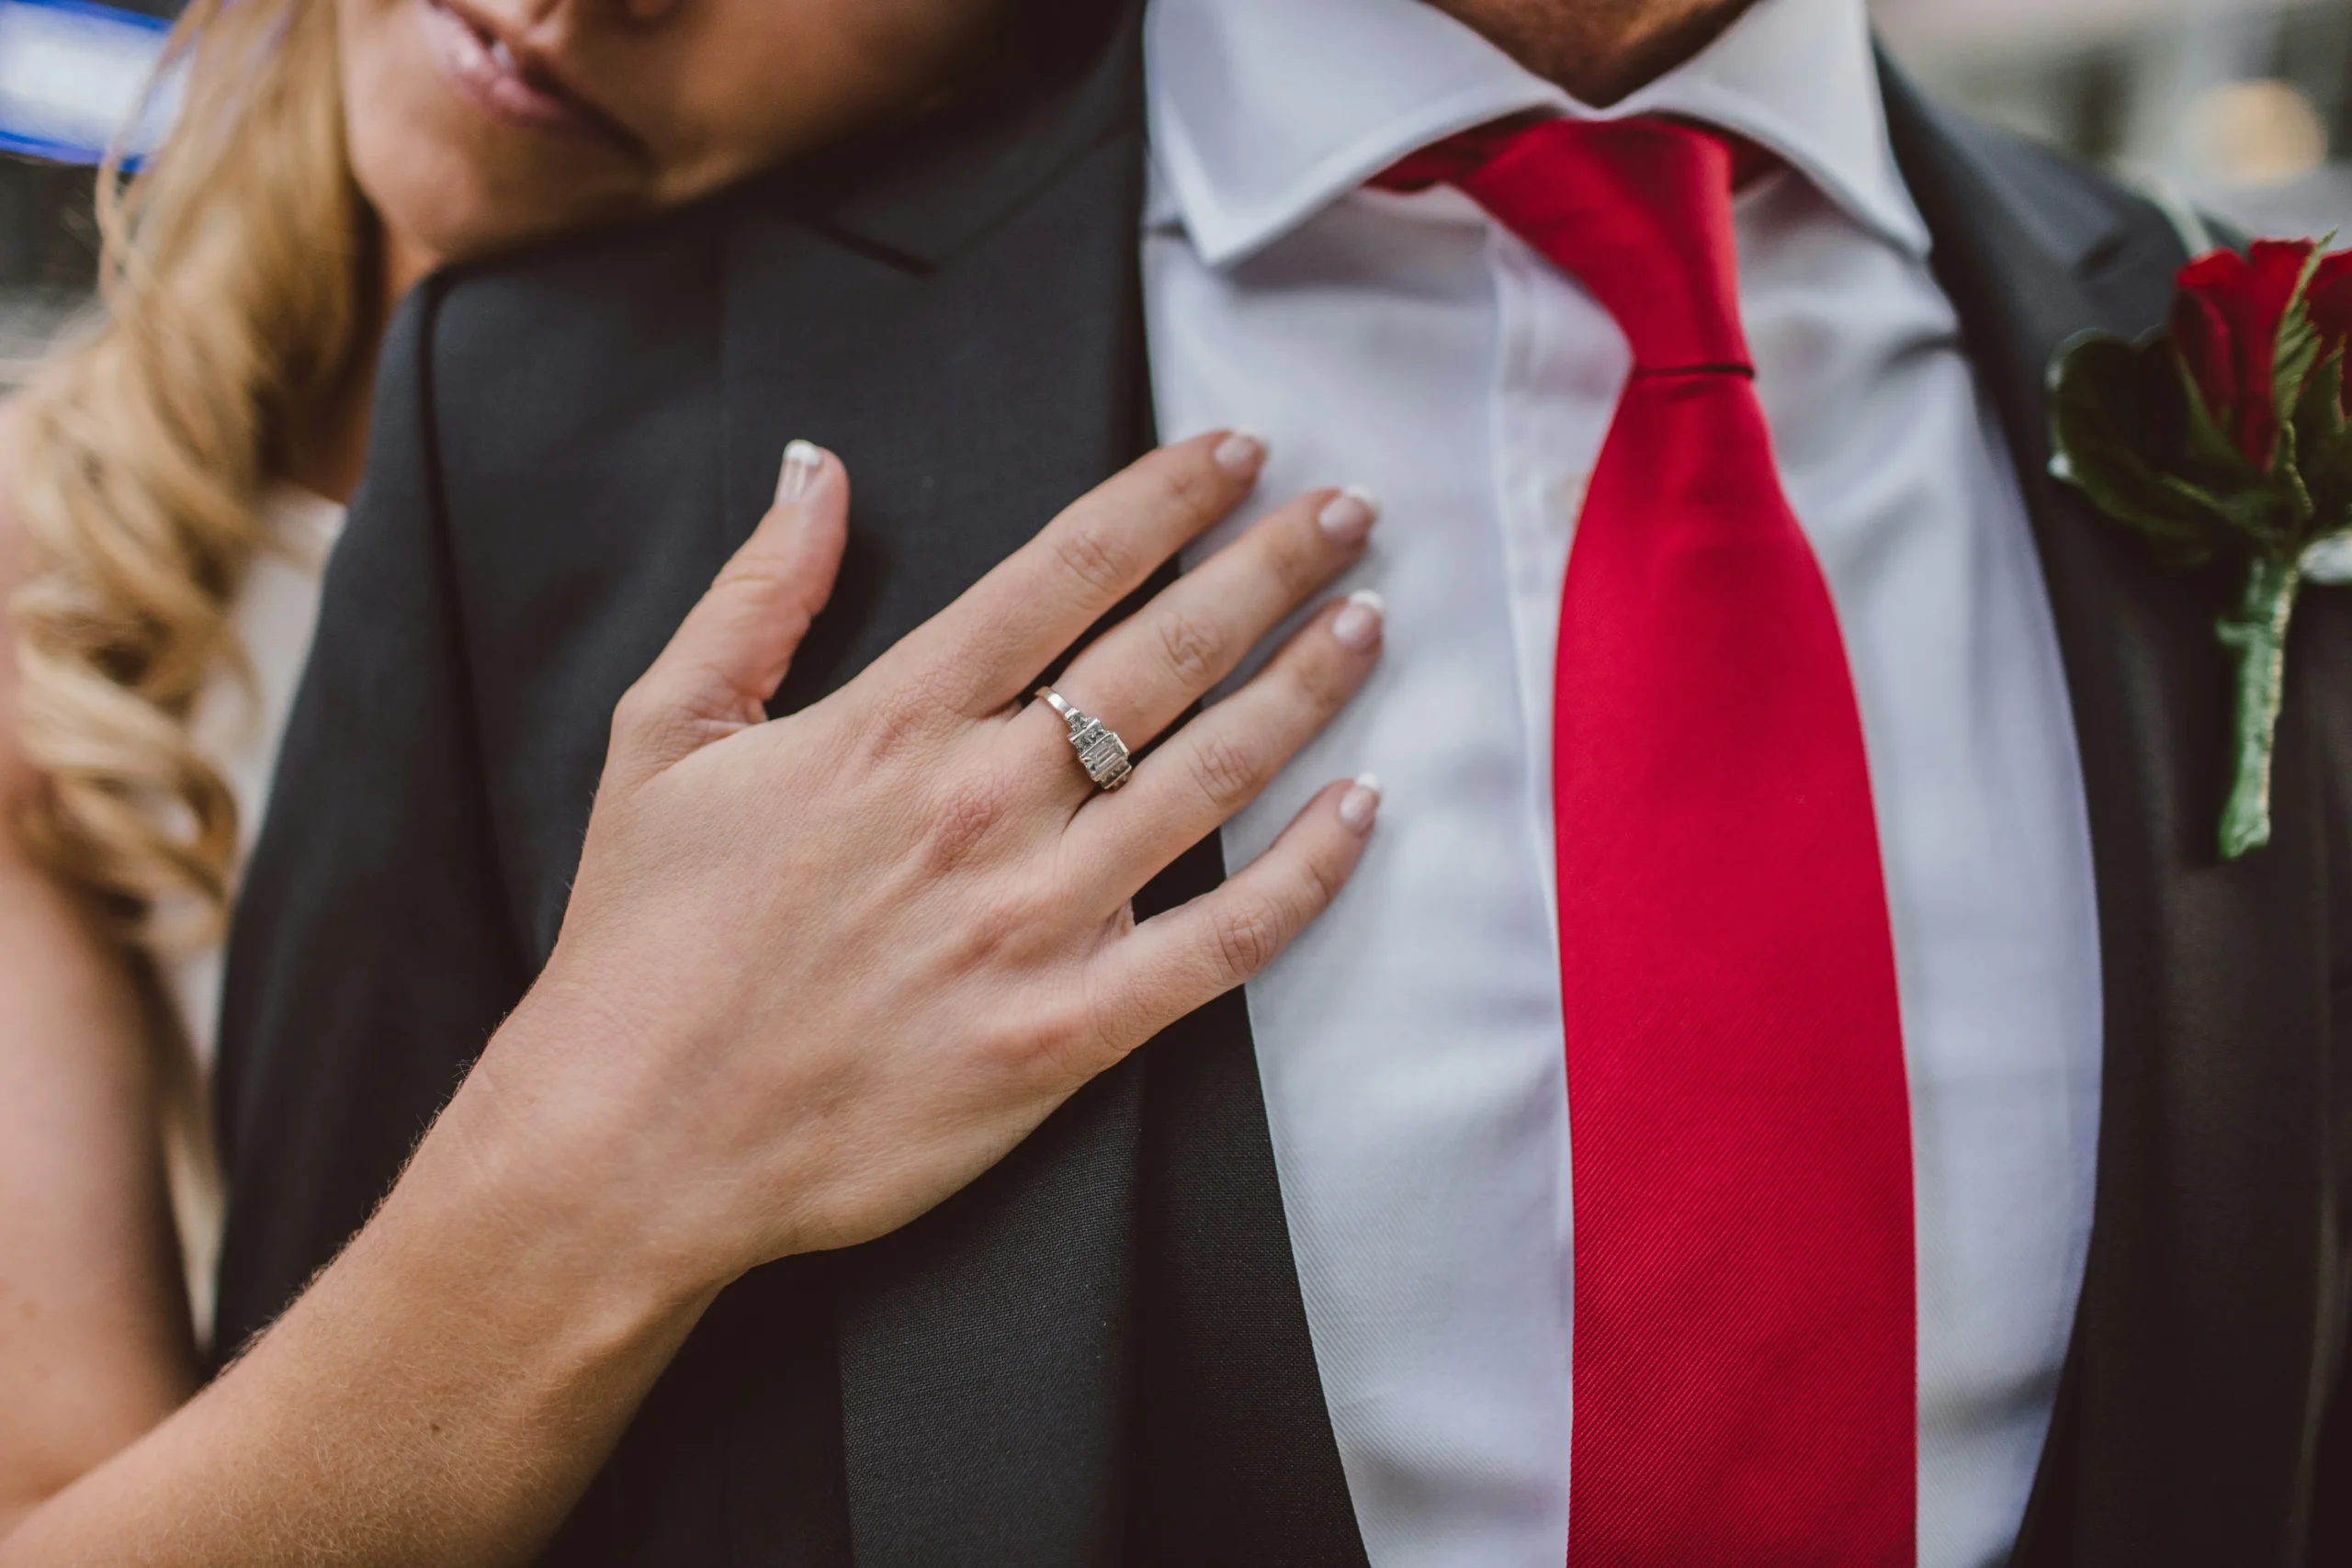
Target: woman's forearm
(95, 1345)
(442, 1393)
(95, 1338)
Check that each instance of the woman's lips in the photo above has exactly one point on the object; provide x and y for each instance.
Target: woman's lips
(481, 69)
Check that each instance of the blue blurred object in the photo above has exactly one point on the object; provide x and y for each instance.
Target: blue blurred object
(75, 77)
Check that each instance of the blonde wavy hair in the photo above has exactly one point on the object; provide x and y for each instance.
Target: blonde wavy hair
(234, 287)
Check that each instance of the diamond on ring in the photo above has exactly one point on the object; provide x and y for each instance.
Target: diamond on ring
(1100, 750)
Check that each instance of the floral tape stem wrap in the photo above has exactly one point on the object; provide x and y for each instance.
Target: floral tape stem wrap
(2224, 435)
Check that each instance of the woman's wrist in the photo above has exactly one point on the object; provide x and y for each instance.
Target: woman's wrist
(544, 1177)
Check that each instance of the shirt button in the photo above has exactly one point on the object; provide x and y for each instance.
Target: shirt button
(1568, 495)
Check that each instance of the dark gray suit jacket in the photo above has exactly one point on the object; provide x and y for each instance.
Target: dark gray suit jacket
(1096, 1354)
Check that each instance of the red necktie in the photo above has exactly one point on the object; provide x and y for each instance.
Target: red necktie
(1739, 1126)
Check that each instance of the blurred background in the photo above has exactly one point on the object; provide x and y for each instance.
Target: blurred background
(72, 75)
(2243, 107)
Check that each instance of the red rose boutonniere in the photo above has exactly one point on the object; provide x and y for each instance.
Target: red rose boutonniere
(2225, 434)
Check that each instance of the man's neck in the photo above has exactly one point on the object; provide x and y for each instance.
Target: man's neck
(1597, 50)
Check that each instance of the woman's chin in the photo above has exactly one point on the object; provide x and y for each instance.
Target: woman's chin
(461, 183)
(456, 206)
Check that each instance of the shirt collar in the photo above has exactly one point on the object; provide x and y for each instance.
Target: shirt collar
(1265, 112)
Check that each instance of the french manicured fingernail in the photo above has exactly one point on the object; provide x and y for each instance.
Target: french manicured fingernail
(1358, 625)
(1362, 802)
(1240, 454)
(1348, 516)
(803, 461)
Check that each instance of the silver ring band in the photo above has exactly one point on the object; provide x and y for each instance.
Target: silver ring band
(1100, 750)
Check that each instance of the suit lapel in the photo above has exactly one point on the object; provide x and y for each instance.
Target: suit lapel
(962, 331)
(2190, 1393)
(957, 314)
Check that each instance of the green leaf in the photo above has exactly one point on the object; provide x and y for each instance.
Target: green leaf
(2265, 515)
(2320, 414)
(2287, 477)
(2209, 449)
(2104, 426)
(2297, 352)
(2324, 448)
(2296, 348)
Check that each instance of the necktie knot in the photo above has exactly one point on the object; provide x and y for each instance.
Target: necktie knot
(1637, 210)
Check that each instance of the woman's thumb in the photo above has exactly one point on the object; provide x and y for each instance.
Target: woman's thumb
(733, 650)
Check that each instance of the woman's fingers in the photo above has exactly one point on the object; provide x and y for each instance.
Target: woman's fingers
(982, 651)
(733, 650)
(1141, 676)
(1177, 961)
(1219, 762)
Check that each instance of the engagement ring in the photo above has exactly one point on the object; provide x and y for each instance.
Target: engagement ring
(1100, 750)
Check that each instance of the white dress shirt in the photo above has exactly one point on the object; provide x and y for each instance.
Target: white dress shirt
(1411, 1042)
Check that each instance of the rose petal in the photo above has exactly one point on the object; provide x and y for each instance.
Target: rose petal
(2330, 300)
(2273, 268)
(2214, 270)
(2239, 302)
(2201, 335)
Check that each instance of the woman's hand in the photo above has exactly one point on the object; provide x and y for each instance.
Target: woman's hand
(819, 972)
